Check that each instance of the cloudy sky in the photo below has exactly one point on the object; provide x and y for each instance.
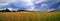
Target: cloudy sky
(33, 5)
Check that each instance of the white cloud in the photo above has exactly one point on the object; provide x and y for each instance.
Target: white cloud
(51, 9)
(40, 1)
(2, 8)
(4, 2)
(12, 9)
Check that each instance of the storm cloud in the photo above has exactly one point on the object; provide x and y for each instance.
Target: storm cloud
(32, 5)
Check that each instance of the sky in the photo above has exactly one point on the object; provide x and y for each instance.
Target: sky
(32, 5)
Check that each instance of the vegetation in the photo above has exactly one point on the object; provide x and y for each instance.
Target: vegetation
(29, 16)
(57, 10)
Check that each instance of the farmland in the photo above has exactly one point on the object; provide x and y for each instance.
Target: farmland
(29, 16)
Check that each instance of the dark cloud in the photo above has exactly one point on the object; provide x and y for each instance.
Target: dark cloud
(42, 5)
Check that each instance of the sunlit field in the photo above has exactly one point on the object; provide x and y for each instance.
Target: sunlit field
(29, 16)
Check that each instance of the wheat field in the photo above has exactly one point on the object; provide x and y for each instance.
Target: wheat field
(29, 16)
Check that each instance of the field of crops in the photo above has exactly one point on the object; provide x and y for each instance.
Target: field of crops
(29, 16)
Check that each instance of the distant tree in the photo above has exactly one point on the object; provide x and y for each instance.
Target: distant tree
(21, 10)
(7, 10)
